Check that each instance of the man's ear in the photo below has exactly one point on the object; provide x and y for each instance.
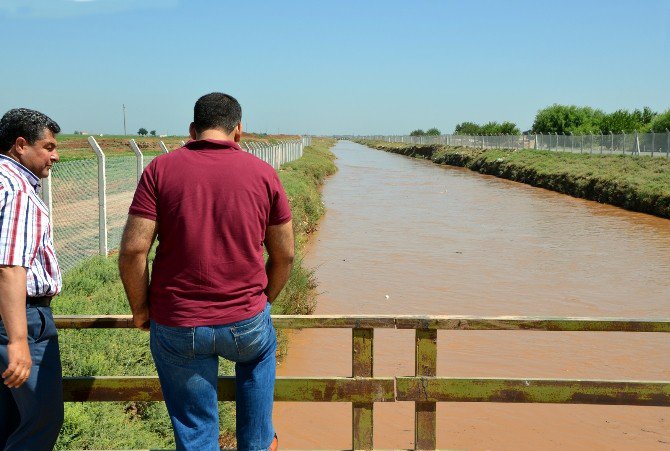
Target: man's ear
(19, 146)
(238, 132)
(191, 130)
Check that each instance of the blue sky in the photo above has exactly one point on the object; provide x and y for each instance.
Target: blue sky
(330, 67)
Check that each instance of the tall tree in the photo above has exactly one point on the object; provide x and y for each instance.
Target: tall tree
(661, 122)
(467, 128)
(567, 119)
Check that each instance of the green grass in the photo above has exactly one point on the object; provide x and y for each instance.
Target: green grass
(93, 287)
(638, 183)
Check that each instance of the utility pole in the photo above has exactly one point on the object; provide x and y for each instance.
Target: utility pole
(124, 120)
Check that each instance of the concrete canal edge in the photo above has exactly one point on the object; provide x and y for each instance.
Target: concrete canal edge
(635, 183)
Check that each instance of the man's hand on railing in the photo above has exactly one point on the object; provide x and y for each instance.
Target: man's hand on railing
(141, 319)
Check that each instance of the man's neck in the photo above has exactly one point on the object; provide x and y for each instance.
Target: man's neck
(216, 134)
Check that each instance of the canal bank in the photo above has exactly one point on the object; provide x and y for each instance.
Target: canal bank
(405, 236)
(634, 183)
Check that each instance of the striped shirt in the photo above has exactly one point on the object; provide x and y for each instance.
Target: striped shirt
(25, 229)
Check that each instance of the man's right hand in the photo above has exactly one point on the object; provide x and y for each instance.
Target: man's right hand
(20, 362)
(13, 314)
(141, 319)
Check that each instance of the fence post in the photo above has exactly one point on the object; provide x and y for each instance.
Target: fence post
(637, 143)
(602, 139)
(535, 141)
(653, 142)
(362, 348)
(623, 144)
(667, 143)
(612, 136)
(425, 425)
(102, 196)
(46, 195)
(139, 157)
(163, 147)
(591, 143)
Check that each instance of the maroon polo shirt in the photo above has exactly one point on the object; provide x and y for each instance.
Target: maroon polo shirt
(212, 202)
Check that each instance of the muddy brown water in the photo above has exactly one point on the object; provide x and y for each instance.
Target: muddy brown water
(444, 240)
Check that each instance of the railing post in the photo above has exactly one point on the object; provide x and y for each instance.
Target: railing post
(425, 425)
(102, 196)
(362, 366)
(139, 157)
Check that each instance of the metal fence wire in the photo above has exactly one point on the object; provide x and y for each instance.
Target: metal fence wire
(639, 144)
(74, 213)
(88, 199)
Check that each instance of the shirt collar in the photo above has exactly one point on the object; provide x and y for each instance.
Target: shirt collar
(203, 144)
(32, 178)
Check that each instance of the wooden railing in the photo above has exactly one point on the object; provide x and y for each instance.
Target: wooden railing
(424, 388)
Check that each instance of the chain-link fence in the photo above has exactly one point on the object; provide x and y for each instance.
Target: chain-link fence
(648, 144)
(89, 199)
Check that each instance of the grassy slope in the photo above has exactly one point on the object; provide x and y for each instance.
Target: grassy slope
(635, 183)
(94, 288)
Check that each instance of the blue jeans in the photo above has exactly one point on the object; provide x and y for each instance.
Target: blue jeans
(31, 416)
(187, 360)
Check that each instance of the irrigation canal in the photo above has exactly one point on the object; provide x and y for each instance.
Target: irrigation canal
(405, 236)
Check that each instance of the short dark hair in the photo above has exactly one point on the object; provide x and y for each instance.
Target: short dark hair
(22, 122)
(216, 110)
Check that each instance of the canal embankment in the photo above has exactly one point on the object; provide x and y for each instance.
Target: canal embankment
(94, 288)
(631, 182)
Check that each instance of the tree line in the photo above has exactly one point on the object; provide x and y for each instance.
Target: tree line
(571, 119)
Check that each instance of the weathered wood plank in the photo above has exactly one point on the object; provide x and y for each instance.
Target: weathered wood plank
(93, 321)
(334, 321)
(425, 365)
(447, 322)
(550, 324)
(362, 364)
(147, 388)
(561, 391)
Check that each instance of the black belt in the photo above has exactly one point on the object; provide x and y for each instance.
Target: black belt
(39, 301)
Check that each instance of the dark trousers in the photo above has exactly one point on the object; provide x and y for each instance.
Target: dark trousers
(31, 416)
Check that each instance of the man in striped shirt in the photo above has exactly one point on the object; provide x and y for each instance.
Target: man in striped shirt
(31, 395)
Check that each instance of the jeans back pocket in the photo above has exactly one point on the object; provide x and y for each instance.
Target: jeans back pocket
(251, 338)
(173, 343)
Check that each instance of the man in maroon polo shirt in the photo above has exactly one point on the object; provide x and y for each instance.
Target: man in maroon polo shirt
(212, 207)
